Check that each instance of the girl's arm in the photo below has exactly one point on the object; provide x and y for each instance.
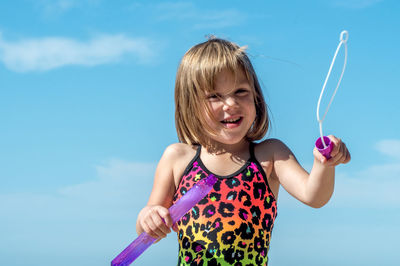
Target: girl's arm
(150, 218)
(314, 188)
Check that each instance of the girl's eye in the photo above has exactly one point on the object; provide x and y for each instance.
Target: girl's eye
(212, 97)
(241, 92)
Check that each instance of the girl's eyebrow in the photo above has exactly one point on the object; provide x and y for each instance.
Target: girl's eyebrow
(242, 82)
(240, 79)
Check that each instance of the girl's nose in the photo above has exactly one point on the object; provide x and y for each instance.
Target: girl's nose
(229, 103)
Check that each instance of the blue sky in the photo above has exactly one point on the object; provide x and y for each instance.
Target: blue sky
(86, 110)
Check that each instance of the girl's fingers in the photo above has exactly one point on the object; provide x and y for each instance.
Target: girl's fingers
(156, 222)
(343, 153)
(164, 213)
(175, 227)
(339, 153)
(148, 230)
(151, 224)
(154, 230)
(164, 220)
(159, 226)
(337, 159)
(336, 145)
(319, 156)
(348, 156)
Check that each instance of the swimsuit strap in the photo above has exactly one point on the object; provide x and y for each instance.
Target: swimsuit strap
(198, 151)
(190, 164)
(251, 149)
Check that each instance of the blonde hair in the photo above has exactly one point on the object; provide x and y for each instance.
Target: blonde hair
(195, 78)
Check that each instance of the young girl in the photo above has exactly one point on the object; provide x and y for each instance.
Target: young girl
(220, 112)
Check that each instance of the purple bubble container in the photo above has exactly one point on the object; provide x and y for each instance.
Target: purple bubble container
(325, 151)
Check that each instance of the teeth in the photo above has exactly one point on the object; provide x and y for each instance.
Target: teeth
(231, 120)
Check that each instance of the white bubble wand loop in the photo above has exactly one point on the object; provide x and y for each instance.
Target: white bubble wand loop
(323, 144)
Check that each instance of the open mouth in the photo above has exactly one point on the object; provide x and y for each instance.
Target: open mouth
(234, 121)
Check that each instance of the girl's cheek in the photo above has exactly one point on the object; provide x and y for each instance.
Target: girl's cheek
(215, 107)
(213, 116)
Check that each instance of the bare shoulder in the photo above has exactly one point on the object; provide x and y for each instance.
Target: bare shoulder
(271, 149)
(266, 152)
(178, 150)
(179, 156)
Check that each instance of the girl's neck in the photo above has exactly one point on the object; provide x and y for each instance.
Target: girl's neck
(237, 149)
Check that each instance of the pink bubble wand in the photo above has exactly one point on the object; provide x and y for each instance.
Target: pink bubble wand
(182, 206)
(323, 143)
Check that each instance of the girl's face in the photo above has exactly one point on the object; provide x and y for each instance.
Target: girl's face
(232, 107)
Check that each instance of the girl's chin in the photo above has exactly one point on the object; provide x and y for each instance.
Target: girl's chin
(229, 140)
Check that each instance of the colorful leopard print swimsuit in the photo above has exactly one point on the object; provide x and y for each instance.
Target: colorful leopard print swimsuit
(232, 225)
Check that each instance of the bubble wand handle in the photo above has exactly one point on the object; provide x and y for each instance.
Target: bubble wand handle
(324, 144)
(180, 208)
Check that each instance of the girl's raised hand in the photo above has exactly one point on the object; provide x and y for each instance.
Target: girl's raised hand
(340, 153)
(155, 221)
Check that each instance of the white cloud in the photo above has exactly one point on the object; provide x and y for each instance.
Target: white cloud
(83, 219)
(355, 4)
(201, 19)
(219, 19)
(53, 52)
(119, 186)
(58, 5)
(390, 147)
(55, 8)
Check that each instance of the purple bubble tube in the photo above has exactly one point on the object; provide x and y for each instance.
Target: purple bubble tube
(324, 150)
(182, 206)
